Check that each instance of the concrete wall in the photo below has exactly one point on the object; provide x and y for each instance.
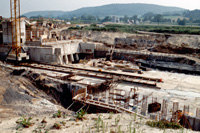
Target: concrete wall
(41, 54)
(7, 33)
(23, 31)
(7, 36)
(194, 123)
(61, 52)
(68, 48)
(86, 47)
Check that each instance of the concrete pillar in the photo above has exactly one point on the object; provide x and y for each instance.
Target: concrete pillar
(49, 35)
(31, 35)
(38, 34)
(66, 60)
(59, 59)
(72, 57)
(41, 39)
(77, 57)
(61, 37)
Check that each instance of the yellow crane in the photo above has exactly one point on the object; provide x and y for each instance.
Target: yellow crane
(15, 26)
(16, 49)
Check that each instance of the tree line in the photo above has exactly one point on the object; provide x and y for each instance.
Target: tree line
(182, 19)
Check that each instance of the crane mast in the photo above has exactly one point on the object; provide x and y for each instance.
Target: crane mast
(16, 52)
(15, 26)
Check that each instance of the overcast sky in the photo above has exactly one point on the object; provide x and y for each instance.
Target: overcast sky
(68, 5)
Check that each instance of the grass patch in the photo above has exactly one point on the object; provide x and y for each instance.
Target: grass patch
(24, 122)
(58, 114)
(148, 28)
(164, 124)
(80, 115)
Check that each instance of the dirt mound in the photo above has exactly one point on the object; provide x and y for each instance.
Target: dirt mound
(167, 43)
(181, 44)
(18, 96)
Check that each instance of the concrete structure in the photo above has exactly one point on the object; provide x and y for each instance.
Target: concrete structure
(60, 52)
(33, 34)
(7, 35)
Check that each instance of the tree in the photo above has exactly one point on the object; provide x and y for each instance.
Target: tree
(107, 19)
(36, 17)
(158, 18)
(182, 22)
(135, 18)
(90, 17)
(23, 16)
(148, 16)
(83, 17)
(126, 18)
(191, 19)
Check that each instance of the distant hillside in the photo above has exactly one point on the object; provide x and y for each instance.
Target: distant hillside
(45, 13)
(195, 14)
(112, 9)
(123, 9)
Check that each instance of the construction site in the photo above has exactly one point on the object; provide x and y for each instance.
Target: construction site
(153, 75)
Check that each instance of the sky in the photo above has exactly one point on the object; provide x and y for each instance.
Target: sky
(69, 5)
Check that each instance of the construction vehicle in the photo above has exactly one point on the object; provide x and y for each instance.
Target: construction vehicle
(16, 52)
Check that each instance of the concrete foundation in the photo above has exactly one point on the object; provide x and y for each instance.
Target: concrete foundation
(61, 52)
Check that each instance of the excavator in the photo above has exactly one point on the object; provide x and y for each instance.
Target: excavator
(16, 52)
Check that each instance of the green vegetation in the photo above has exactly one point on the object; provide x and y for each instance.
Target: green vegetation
(80, 114)
(24, 122)
(110, 115)
(98, 123)
(195, 14)
(57, 126)
(58, 114)
(117, 120)
(148, 28)
(182, 22)
(164, 124)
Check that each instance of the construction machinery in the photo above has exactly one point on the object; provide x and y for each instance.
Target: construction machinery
(16, 52)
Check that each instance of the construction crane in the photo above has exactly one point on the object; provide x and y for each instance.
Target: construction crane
(16, 49)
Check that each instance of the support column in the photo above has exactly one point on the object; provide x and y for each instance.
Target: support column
(58, 59)
(61, 37)
(31, 35)
(72, 57)
(67, 60)
(49, 35)
(77, 57)
(38, 34)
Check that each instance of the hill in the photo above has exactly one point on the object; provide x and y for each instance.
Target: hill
(108, 10)
(44, 13)
(195, 14)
